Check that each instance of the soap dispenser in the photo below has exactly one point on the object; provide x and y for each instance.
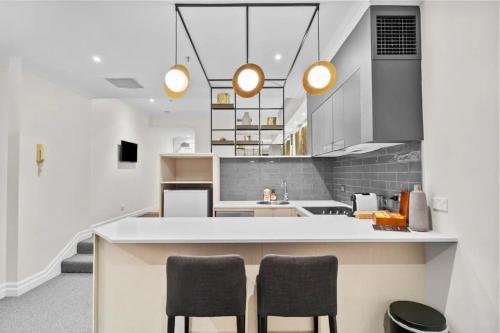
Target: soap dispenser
(419, 212)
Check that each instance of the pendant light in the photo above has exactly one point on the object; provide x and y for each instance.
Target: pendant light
(248, 79)
(177, 77)
(320, 76)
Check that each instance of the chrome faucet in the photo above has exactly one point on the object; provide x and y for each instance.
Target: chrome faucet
(285, 194)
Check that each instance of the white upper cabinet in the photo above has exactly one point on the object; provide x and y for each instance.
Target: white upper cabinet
(322, 119)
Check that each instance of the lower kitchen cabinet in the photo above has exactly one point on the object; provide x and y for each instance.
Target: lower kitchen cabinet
(257, 212)
(274, 212)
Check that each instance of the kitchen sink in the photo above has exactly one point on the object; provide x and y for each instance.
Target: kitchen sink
(273, 202)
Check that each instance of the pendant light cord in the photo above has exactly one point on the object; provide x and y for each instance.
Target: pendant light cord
(247, 30)
(176, 36)
(318, 37)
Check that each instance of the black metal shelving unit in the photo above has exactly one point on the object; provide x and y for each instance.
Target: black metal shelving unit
(257, 129)
(218, 84)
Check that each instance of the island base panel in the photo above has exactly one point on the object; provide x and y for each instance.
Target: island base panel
(130, 284)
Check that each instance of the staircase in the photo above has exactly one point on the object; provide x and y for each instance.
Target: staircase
(82, 261)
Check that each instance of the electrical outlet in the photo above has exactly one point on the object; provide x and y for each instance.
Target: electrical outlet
(122, 207)
(342, 188)
(440, 204)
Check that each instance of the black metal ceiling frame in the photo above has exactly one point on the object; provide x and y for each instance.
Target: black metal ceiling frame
(247, 5)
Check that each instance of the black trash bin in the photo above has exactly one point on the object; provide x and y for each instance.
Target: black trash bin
(412, 317)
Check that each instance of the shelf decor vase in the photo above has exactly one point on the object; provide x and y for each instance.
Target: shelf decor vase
(223, 98)
(418, 210)
(246, 120)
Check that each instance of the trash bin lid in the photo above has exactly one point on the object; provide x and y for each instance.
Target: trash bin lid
(418, 316)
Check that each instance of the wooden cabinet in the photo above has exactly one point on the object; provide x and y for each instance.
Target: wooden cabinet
(189, 171)
(274, 212)
(257, 212)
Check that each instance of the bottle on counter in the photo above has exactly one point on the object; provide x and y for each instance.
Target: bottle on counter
(267, 195)
(274, 196)
(418, 210)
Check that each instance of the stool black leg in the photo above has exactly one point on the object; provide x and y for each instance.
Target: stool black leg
(171, 324)
(240, 324)
(315, 324)
(332, 321)
(186, 324)
(258, 324)
(263, 324)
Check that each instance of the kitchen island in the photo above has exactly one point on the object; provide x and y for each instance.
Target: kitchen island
(375, 267)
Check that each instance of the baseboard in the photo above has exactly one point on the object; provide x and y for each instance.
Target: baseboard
(2, 290)
(53, 269)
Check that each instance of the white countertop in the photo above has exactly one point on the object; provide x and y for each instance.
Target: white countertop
(314, 229)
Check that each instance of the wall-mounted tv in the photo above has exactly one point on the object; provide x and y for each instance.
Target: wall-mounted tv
(128, 152)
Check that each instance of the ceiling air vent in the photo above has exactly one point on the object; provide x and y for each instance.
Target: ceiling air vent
(396, 35)
(125, 83)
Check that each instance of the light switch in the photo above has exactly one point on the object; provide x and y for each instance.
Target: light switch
(40, 153)
(440, 204)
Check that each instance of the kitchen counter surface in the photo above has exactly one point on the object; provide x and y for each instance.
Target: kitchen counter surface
(292, 204)
(311, 229)
(297, 204)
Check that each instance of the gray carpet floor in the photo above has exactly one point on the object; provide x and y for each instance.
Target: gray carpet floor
(61, 305)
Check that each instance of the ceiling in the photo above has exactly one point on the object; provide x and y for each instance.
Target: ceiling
(57, 40)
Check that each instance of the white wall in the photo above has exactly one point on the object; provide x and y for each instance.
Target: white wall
(119, 188)
(460, 54)
(80, 183)
(54, 201)
(200, 124)
(3, 170)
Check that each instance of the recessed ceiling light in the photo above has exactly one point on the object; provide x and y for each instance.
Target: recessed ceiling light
(151, 100)
(277, 56)
(304, 114)
(97, 59)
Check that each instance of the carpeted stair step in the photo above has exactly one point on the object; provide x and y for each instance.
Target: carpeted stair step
(79, 263)
(86, 246)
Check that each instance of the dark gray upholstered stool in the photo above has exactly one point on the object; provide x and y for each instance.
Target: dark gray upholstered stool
(297, 287)
(206, 287)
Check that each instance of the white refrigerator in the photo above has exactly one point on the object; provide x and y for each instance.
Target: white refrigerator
(185, 203)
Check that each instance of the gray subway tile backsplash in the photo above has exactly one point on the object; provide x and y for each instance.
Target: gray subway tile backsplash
(385, 172)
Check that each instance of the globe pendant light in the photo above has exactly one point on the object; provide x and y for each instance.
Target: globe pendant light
(177, 77)
(248, 79)
(320, 76)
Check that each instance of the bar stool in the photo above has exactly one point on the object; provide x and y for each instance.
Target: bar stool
(206, 287)
(297, 287)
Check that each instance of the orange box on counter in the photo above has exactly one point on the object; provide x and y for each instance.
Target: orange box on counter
(389, 218)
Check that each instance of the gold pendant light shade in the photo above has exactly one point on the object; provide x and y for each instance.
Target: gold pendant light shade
(176, 81)
(319, 77)
(248, 80)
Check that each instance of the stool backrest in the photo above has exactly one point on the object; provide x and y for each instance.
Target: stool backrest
(297, 286)
(206, 286)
